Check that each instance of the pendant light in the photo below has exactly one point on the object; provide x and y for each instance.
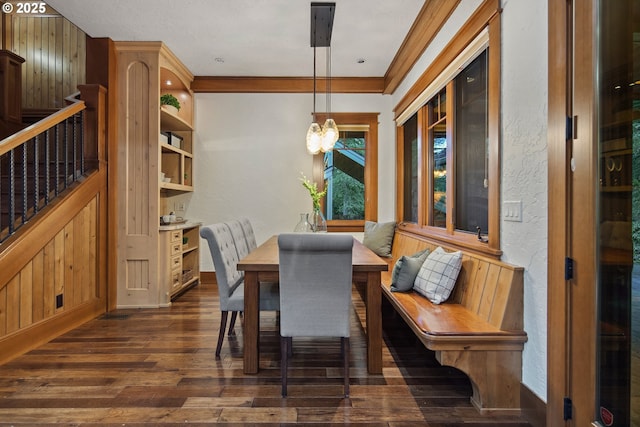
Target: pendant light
(322, 138)
(314, 134)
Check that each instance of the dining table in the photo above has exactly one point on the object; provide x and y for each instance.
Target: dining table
(262, 266)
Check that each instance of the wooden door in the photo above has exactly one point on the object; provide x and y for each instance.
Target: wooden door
(591, 98)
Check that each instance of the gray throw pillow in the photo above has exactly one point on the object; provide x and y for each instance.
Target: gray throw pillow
(438, 275)
(378, 237)
(405, 271)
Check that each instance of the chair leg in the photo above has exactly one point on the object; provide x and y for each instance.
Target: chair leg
(345, 358)
(284, 361)
(223, 326)
(232, 324)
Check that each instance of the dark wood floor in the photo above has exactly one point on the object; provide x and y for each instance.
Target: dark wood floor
(157, 366)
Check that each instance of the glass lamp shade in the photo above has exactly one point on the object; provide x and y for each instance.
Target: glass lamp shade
(330, 134)
(314, 138)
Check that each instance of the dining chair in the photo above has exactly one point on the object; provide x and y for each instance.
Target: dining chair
(231, 281)
(249, 235)
(242, 248)
(315, 292)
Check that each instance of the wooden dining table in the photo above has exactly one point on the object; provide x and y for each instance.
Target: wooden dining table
(262, 266)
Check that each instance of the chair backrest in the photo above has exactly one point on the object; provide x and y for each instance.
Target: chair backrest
(238, 237)
(249, 235)
(315, 284)
(225, 259)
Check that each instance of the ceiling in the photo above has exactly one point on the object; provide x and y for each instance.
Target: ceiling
(253, 37)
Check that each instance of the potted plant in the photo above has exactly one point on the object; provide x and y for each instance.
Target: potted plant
(170, 102)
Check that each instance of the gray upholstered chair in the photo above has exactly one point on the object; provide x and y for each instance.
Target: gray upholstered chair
(315, 292)
(242, 248)
(224, 253)
(249, 235)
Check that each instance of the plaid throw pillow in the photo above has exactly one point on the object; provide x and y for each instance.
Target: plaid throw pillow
(438, 275)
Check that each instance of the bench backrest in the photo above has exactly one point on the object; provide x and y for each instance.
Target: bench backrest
(487, 287)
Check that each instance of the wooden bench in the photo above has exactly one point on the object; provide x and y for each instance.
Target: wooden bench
(478, 330)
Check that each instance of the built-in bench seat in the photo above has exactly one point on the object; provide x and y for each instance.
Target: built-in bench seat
(478, 330)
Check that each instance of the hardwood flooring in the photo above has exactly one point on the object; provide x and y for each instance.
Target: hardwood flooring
(157, 367)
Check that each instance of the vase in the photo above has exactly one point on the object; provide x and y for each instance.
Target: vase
(318, 222)
(303, 225)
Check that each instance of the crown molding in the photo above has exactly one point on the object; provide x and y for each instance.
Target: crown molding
(216, 84)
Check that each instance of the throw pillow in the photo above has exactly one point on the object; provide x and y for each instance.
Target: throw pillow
(405, 271)
(438, 275)
(378, 237)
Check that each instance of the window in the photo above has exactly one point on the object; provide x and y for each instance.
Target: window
(344, 176)
(448, 150)
(349, 172)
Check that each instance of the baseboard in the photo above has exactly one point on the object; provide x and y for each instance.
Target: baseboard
(534, 410)
(208, 277)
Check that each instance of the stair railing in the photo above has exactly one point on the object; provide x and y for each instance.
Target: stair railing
(38, 163)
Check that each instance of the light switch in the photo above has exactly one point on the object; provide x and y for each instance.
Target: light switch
(512, 211)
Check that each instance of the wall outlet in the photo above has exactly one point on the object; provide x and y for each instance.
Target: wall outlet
(512, 211)
(179, 207)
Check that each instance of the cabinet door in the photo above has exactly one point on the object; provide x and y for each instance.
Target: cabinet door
(138, 175)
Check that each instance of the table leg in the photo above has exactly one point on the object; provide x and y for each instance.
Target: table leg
(374, 323)
(251, 330)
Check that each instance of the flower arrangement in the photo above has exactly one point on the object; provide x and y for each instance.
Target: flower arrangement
(312, 187)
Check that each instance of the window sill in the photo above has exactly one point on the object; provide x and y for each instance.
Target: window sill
(459, 241)
(346, 226)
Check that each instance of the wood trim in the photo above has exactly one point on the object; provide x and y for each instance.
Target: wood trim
(399, 174)
(583, 186)
(534, 410)
(494, 80)
(370, 173)
(208, 278)
(26, 134)
(557, 222)
(214, 84)
(467, 33)
(40, 333)
(428, 23)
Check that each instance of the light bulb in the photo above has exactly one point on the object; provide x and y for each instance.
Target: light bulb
(314, 138)
(330, 134)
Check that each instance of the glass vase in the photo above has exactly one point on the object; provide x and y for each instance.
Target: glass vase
(303, 226)
(318, 222)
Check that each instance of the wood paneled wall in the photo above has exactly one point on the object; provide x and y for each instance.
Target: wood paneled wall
(54, 53)
(64, 270)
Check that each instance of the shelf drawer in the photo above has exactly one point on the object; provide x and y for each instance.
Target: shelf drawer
(176, 236)
(176, 263)
(176, 280)
(176, 248)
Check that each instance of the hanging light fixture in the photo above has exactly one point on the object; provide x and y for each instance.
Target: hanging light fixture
(322, 138)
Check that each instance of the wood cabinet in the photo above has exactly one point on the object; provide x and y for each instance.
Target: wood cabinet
(145, 71)
(179, 256)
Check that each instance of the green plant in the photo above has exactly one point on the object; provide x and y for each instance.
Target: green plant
(312, 187)
(168, 99)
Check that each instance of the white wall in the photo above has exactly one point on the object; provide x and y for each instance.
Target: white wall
(250, 150)
(524, 169)
(524, 158)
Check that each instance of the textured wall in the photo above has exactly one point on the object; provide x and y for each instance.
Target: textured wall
(524, 170)
(250, 150)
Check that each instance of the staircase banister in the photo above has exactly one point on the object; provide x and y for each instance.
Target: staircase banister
(39, 127)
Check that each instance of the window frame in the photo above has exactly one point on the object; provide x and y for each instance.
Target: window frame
(486, 17)
(370, 169)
